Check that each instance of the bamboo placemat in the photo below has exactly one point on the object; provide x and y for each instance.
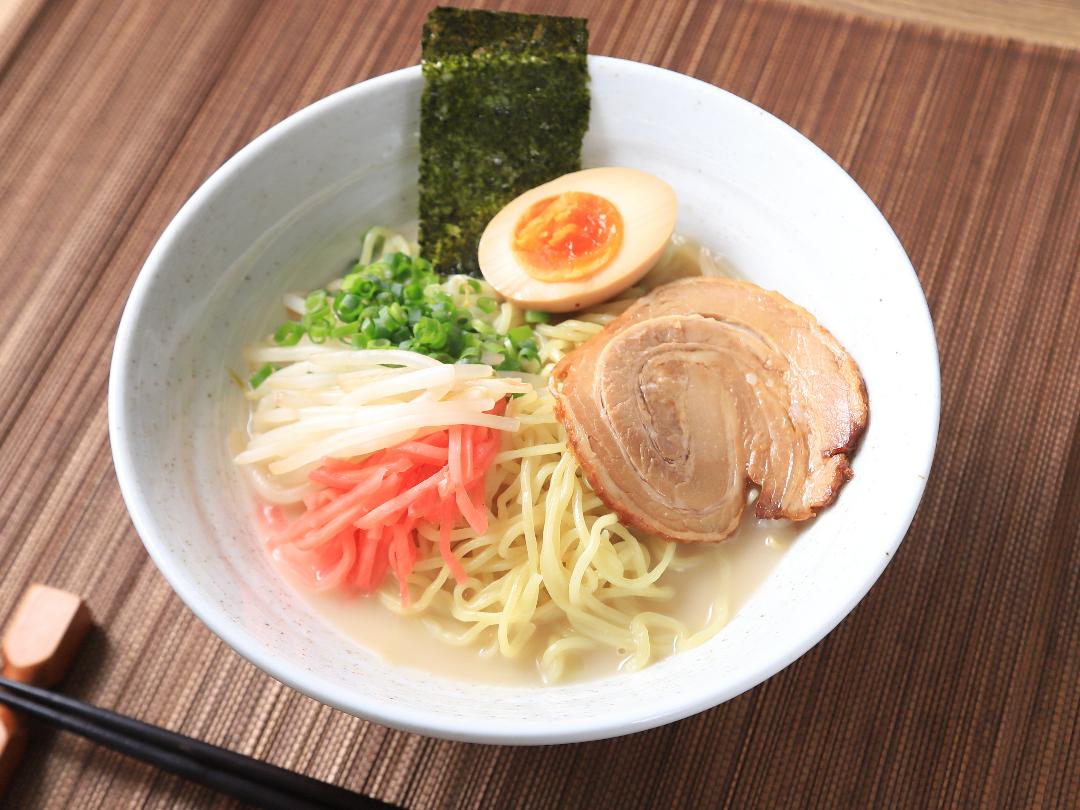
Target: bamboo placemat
(956, 682)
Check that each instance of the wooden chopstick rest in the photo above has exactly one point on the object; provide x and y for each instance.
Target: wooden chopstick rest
(38, 646)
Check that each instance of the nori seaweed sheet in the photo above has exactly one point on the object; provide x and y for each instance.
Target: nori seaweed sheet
(505, 107)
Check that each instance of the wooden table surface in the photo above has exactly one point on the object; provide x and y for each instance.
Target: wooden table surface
(1055, 22)
(955, 683)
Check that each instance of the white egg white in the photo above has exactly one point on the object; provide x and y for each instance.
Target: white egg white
(648, 208)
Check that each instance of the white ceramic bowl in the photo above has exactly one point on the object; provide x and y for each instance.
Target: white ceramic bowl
(284, 213)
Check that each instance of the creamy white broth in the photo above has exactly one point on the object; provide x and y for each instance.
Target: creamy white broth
(720, 584)
(727, 576)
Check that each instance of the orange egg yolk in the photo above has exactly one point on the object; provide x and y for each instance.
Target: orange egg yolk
(568, 237)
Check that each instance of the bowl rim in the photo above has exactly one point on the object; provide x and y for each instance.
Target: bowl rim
(553, 729)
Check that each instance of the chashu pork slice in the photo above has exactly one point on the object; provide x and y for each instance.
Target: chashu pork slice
(700, 389)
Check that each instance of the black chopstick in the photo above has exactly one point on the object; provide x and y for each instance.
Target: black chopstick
(241, 777)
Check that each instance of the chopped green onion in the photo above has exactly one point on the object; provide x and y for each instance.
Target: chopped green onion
(455, 340)
(401, 301)
(345, 331)
(259, 377)
(423, 267)
(429, 333)
(520, 333)
(288, 334)
(536, 316)
(319, 331)
(348, 306)
(316, 301)
(509, 364)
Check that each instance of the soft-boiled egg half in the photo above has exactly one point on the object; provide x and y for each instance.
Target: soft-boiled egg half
(578, 240)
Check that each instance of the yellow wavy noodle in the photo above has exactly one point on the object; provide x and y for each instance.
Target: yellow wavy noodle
(556, 571)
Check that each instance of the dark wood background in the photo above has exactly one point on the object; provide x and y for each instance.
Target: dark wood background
(955, 683)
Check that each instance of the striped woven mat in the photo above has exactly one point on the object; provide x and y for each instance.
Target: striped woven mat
(955, 683)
